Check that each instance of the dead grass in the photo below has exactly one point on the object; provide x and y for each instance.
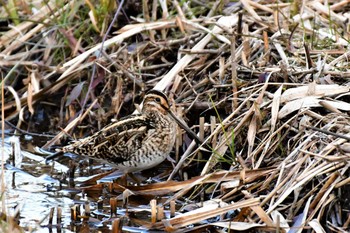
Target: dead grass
(270, 80)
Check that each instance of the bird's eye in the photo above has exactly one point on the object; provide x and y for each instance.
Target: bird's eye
(157, 100)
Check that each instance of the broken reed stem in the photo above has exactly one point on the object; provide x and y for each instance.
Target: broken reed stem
(234, 73)
(100, 205)
(117, 226)
(73, 213)
(87, 209)
(153, 204)
(113, 204)
(160, 213)
(157, 211)
(201, 137)
(147, 17)
(51, 215)
(59, 216)
(172, 208)
(71, 170)
(212, 129)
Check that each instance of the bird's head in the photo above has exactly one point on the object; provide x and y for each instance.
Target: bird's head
(156, 101)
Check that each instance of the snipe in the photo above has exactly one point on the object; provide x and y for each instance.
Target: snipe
(136, 142)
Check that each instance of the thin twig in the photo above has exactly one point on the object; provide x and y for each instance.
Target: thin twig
(328, 132)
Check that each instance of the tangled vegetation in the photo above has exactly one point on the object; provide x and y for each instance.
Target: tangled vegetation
(263, 83)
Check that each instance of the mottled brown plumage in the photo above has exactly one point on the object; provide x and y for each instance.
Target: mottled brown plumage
(136, 142)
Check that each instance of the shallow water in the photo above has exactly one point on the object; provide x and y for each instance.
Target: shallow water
(29, 191)
(34, 188)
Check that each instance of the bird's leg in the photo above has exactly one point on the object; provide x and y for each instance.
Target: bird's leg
(132, 176)
(124, 179)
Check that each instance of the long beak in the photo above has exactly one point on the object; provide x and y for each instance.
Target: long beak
(183, 125)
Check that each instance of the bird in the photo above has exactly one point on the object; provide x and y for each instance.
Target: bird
(136, 142)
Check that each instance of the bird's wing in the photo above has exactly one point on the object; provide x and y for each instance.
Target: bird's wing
(115, 142)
